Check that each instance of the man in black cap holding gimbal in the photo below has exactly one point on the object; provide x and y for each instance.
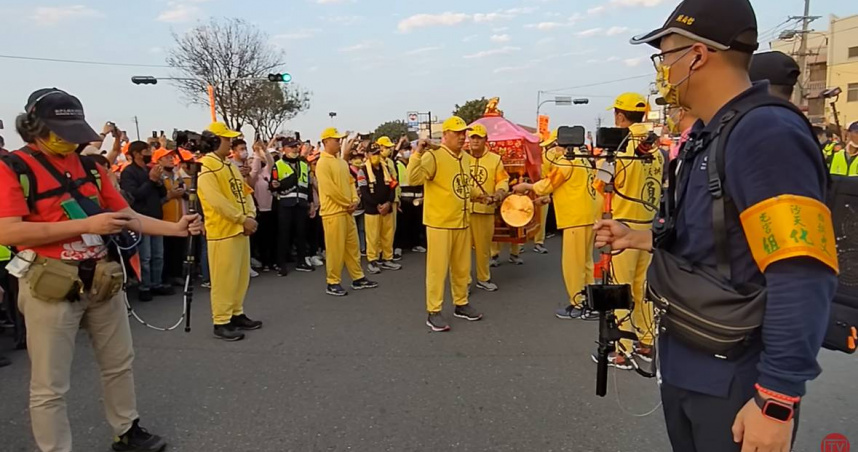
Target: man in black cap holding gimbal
(746, 211)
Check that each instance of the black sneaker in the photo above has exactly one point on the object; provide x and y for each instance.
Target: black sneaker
(282, 272)
(364, 283)
(467, 312)
(163, 291)
(228, 333)
(303, 267)
(243, 322)
(144, 296)
(436, 322)
(336, 290)
(137, 439)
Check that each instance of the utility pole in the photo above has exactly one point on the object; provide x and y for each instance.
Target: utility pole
(137, 125)
(802, 56)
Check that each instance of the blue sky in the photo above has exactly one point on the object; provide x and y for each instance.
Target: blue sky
(368, 60)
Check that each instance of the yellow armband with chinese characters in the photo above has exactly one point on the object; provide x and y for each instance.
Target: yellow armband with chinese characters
(790, 226)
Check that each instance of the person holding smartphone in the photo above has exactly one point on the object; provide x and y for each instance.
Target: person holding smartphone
(143, 181)
(54, 238)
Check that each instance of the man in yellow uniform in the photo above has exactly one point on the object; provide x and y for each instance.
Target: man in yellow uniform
(447, 192)
(386, 147)
(570, 181)
(489, 185)
(229, 221)
(339, 199)
(640, 180)
(544, 201)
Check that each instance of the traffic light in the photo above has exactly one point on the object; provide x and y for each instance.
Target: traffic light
(144, 80)
(277, 78)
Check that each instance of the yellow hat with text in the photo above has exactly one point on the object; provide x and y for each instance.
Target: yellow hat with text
(454, 124)
(552, 138)
(479, 130)
(332, 132)
(630, 102)
(385, 142)
(220, 129)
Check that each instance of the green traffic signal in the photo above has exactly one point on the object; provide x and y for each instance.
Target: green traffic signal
(280, 78)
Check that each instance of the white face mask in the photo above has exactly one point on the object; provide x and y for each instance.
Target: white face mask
(243, 155)
(405, 154)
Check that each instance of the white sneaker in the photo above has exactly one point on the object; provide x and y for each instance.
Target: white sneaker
(316, 261)
(255, 263)
(418, 249)
(488, 286)
(253, 273)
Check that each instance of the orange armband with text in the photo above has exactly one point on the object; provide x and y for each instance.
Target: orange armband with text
(790, 226)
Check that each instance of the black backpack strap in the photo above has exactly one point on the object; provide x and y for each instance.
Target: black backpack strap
(722, 203)
(70, 185)
(25, 177)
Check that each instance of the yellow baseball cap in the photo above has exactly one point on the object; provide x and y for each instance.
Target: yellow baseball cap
(630, 102)
(385, 142)
(454, 124)
(332, 132)
(551, 139)
(479, 130)
(220, 129)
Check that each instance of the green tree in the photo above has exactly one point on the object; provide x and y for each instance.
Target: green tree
(472, 109)
(394, 130)
(274, 104)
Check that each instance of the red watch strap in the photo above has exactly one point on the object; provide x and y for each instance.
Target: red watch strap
(776, 395)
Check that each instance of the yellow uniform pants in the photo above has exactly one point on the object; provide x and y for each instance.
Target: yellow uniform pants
(448, 252)
(539, 238)
(630, 267)
(51, 332)
(482, 230)
(379, 236)
(229, 261)
(577, 261)
(341, 247)
(514, 248)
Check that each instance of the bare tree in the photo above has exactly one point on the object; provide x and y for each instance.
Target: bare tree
(273, 105)
(217, 54)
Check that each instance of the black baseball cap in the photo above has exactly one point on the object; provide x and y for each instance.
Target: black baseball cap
(717, 24)
(63, 114)
(776, 67)
(291, 142)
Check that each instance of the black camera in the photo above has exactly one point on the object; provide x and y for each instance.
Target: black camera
(571, 136)
(611, 138)
(196, 142)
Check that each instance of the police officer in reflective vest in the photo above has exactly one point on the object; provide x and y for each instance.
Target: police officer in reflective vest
(56, 208)
(845, 161)
(290, 181)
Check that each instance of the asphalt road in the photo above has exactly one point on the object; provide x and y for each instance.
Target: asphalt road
(362, 373)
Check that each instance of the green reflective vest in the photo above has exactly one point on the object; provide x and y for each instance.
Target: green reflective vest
(401, 171)
(5, 254)
(840, 166)
(284, 170)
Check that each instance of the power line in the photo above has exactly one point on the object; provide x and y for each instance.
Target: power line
(607, 82)
(95, 63)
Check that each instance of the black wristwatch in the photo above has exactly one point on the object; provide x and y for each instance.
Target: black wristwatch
(775, 409)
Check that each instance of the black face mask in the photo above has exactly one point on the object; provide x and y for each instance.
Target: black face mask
(147, 159)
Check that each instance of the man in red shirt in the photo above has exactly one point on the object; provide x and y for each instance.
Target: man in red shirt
(58, 233)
